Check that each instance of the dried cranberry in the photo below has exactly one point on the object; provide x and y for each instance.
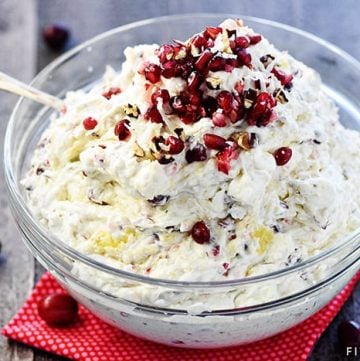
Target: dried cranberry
(196, 154)
(112, 91)
(282, 155)
(152, 73)
(175, 144)
(254, 39)
(89, 123)
(214, 141)
(58, 309)
(203, 60)
(200, 233)
(55, 36)
(153, 115)
(349, 333)
(224, 100)
(121, 129)
(225, 157)
(160, 94)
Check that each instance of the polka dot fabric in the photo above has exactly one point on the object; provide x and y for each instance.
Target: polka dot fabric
(90, 339)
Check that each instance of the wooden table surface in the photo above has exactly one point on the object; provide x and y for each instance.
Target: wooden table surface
(23, 54)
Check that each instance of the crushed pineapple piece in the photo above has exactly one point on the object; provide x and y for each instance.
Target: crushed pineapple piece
(264, 236)
(104, 242)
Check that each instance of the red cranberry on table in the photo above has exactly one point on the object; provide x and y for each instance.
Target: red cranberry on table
(58, 310)
(349, 333)
(55, 36)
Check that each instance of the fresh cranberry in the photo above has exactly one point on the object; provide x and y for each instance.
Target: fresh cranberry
(349, 333)
(152, 73)
(285, 79)
(219, 119)
(225, 157)
(224, 100)
(58, 309)
(200, 233)
(153, 115)
(55, 36)
(160, 94)
(212, 32)
(244, 57)
(89, 123)
(282, 155)
(254, 39)
(214, 141)
(194, 80)
(112, 91)
(175, 144)
(196, 154)
(242, 42)
(203, 60)
(121, 129)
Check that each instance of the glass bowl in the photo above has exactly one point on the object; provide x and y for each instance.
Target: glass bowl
(118, 296)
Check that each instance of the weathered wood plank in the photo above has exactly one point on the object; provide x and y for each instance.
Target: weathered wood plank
(17, 57)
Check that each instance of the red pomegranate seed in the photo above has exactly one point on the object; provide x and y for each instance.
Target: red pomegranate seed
(198, 41)
(153, 115)
(89, 123)
(282, 155)
(225, 157)
(217, 64)
(203, 60)
(214, 141)
(165, 52)
(219, 119)
(239, 87)
(160, 94)
(225, 100)
(175, 144)
(196, 154)
(349, 333)
(242, 42)
(244, 57)
(177, 103)
(188, 118)
(195, 99)
(152, 73)
(212, 32)
(200, 233)
(254, 39)
(261, 113)
(231, 64)
(112, 91)
(121, 129)
(58, 309)
(285, 79)
(170, 69)
(55, 36)
(194, 81)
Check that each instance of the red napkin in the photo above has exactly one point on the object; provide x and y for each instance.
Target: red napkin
(91, 339)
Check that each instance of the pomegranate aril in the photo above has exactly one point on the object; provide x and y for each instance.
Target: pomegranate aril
(194, 80)
(217, 64)
(200, 232)
(152, 73)
(199, 41)
(112, 91)
(231, 63)
(224, 100)
(177, 103)
(89, 123)
(219, 119)
(214, 141)
(285, 79)
(242, 42)
(195, 99)
(196, 154)
(153, 115)
(225, 157)
(212, 32)
(244, 57)
(170, 69)
(349, 333)
(282, 155)
(58, 310)
(203, 60)
(55, 36)
(175, 144)
(188, 118)
(160, 94)
(254, 39)
(121, 129)
(165, 52)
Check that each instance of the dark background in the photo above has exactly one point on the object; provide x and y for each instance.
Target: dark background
(23, 54)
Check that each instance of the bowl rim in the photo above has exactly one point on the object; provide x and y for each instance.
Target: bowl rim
(47, 237)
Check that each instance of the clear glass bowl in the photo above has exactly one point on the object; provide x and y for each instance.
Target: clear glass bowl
(115, 295)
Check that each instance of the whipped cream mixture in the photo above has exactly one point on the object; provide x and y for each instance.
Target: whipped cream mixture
(213, 159)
